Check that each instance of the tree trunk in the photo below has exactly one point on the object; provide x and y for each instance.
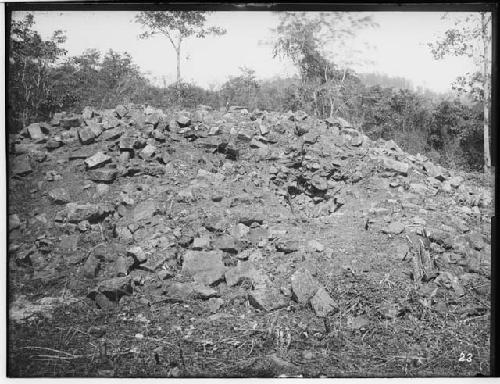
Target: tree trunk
(178, 51)
(486, 99)
(178, 81)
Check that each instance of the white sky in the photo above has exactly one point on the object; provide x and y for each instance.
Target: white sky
(398, 46)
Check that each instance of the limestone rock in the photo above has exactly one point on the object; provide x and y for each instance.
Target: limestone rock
(396, 166)
(267, 299)
(59, 196)
(395, 228)
(86, 135)
(97, 160)
(103, 175)
(205, 267)
(322, 303)
(243, 271)
(304, 286)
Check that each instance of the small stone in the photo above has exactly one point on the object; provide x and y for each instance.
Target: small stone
(456, 181)
(68, 122)
(102, 189)
(322, 303)
(121, 111)
(138, 254)
(389, 311)
(97, 160)
(125, 156)
(316, 246)
(228, 243)
(21, 166)
(103, 302)
(35, 132)
(203, 292)
(53, 144)
(287, 245)
(148, 152)
(446, 187)
(87, 113)
(90, 267)
(179, 292)
(394, 228)
(14, 222)
(419, 188)
(116, 287)
(183, 121)
(243, 271)
(214, 304)
(104, 175)
(145, 210)
(304, 286)
(86, 135)
(249, 218)
(112, 134)
(319, 183)
(357, 323)
(127, 143)
(84, 226)
(440, 237)
(96, 128)
(69, 242)
(266, 299)
(200, 243)
(214, 131)
(206, 267)
(396, 166)
(122, 265)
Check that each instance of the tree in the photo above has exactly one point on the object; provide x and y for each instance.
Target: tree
(30, 61)
(318, 44)
(471, 37)
(176, 26)
(242, 89)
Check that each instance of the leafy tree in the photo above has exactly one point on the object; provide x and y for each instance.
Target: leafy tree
(176, 26)
(471, 37)
(318, 45)
(242, 89)
(30, 61)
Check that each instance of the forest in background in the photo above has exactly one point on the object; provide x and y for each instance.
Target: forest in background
(43, 80)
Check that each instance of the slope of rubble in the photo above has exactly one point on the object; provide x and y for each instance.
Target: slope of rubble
(206, 243)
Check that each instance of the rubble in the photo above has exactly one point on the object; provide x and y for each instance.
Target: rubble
(246, 213)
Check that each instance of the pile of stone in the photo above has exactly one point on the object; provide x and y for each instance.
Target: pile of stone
(307, 163)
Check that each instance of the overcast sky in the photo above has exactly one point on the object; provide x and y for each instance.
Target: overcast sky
(398, 46)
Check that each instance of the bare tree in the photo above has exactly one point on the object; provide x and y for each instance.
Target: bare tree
(177, 26)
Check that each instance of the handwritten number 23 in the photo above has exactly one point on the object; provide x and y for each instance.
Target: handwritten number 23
(464, 358)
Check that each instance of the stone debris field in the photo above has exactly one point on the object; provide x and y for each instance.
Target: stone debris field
(204, 243)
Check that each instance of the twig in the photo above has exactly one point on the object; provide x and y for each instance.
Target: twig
(251, 349)
(48, 349)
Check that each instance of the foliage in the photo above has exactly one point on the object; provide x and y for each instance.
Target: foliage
(242, 89)
(316, 43)
(30, 60)
(472, 37)
(89, 80)
(384, 80)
